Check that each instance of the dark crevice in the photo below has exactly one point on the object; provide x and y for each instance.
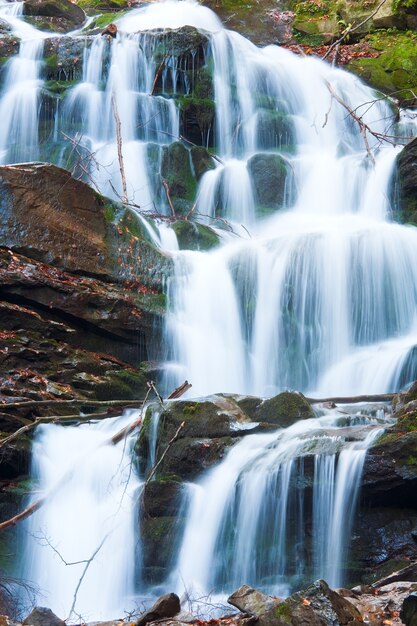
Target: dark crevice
(89, 336)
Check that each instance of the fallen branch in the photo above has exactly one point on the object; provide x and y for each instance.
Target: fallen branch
(180, 391)
(168, 195)
(36, 505)
(158, 73)
(382, 397)
(170, 442)
(119, 147)
(351, 29)
(58, 403)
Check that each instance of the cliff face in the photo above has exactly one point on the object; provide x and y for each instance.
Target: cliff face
(81, 290)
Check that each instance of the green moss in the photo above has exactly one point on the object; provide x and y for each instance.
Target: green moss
(283, 612)
(394, 72)
(92, 6)
(193, 236)
(103, 20)
(59, 87)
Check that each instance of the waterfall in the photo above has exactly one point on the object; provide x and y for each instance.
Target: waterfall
(81, 545)
(247, 520)
(313, 288)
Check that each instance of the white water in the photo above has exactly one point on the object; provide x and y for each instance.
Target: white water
(91, 494)
(247, 520)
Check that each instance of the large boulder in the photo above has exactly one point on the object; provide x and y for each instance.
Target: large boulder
(57, 15)
(318, 605)
(42, 616)
(409, 610)
(167, 605)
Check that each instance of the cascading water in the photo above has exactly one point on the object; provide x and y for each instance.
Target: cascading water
(247, 521)
(317, 293)
(82, 548)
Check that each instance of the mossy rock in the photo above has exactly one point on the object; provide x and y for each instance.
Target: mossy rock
(57, 13)
(276, 131)
(176, 171)
(282, 410)
(394, 71)
(269, 173)
(159, 539)
(189, 457)
(197, 119)
(405, 186)
(161, 498)
(194, 236)
(202, 161)
(94, 6)
(121, 385)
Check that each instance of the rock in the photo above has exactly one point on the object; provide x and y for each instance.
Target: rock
(194, 236)
(80, 297)
(167, 605)
(282, 410)
(392, 68)
(318, 605)
(176, 172)
(197, 119)
(406, 184)
(110, 30)
(41, 616)
(202, 161)
(252, 601)
(63, 14)
(409, 610)
(269, 174)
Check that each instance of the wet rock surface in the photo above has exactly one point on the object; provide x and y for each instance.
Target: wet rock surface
(80, 296)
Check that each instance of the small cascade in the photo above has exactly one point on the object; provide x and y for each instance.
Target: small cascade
(81, 544)
(269, 517)
(20, 103)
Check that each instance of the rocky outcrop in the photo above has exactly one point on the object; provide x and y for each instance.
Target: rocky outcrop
(318, 605)
(56, 15)
(80, 287)
(386, 527)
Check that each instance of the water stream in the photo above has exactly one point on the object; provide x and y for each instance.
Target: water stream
(314, 288)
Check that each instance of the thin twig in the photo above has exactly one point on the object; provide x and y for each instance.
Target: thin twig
(171, 441)
(351, 29)
(119, 146)
(158, 73)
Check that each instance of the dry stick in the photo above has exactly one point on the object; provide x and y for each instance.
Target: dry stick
(364, 128)
(119, 147)
(131, 427)
(59, 403)
(179, 391)
(171, 206)
(351, 29)
(158, 73)
(382, 397)
(36, 505)
(170, 442)
(87, 565)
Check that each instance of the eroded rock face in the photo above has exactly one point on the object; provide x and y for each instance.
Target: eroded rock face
(81, 289)
(318, 605)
